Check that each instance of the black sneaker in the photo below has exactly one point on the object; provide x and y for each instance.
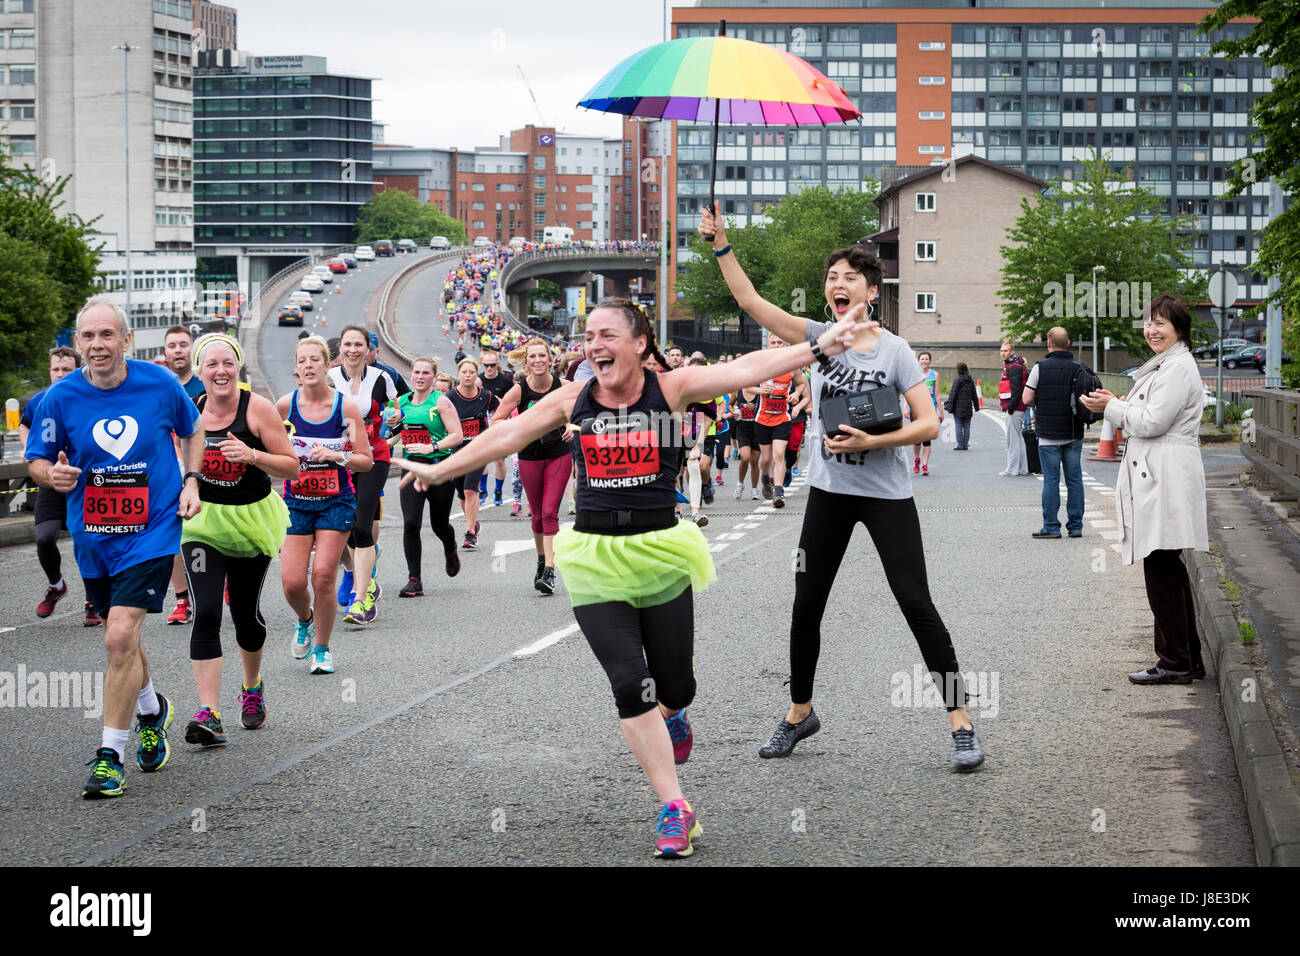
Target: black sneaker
(967, 752)
(1045, 534)
(152, 753)
(546, 581)
(1076, 534)
(767, 488)
(413, 589)
(778, 498)
(205, 728)
(788, 734)
(453, 563)
(471, 542)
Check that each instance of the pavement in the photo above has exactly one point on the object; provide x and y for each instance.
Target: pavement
(473, 725)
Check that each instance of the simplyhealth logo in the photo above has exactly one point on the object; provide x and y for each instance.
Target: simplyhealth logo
(76, 909)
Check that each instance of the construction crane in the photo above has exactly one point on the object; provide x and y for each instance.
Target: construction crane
(532, 94)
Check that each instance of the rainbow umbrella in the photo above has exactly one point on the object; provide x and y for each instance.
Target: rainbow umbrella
(734, 81)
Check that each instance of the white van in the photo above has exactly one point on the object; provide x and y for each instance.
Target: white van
(557, 234)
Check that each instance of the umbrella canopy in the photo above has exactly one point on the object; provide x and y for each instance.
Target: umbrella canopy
(721, 78)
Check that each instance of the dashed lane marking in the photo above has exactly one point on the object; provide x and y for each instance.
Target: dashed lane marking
(543, 643)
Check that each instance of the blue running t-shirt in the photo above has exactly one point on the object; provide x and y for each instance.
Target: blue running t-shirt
(123, 510)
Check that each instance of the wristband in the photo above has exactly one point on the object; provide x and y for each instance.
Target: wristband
(191, 474)
(719, 253)
(822, 359)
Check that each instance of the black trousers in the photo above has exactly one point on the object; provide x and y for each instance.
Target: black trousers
(647, 654)
(369, 485)
(208, 571)
(895, 530)
(1169, 592)
(439, 498)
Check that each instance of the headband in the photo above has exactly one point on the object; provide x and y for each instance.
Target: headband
(213, 338)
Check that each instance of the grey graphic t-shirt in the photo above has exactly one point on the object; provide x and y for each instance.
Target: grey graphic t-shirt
(881, 472)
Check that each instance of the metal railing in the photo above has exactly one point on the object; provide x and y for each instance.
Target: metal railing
(570, 252)
(1275, 449)
(386, 334)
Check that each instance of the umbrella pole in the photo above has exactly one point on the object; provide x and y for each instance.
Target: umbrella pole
(713, 164)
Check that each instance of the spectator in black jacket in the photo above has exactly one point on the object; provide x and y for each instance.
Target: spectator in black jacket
(962, 404)
(1060, 435)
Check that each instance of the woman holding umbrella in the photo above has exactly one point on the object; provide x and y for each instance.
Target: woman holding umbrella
(856, 477)
(630, 568)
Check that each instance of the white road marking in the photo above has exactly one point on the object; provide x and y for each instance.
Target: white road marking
(717, 547)
(1110, 535)
(502, 548)
(553, 638)
(1101, 522)
(747, 526)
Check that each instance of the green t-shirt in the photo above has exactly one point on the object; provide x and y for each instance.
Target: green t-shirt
(421, 424)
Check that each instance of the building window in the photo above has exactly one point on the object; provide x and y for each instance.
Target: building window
(925, 202)
(478, 187)
(539, 182)
(931, 80)
(539, 219)
(931, 150)
(932, 45)
(22, 74)
(925, 302)
(539, 162)
(476, 206)
(931, 114)
(925, 251)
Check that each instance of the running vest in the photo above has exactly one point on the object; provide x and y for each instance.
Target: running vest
(774, 409)
(319, 479)
(931, 380)
(422, 425)
(626, 460)
(376, 391)
(473, 412)
(748, 408)
(552, 444)
(226, 482)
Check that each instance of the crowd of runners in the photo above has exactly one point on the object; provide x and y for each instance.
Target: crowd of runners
(182, 476)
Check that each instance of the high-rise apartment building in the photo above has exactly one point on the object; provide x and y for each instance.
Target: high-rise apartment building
(215, 26)
(67, 94)
(1032, 84)
(282, 162)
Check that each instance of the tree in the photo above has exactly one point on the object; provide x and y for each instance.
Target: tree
(396, 214)
(785, 258)
(50, 270)
(1099, 219)
(1275, 39)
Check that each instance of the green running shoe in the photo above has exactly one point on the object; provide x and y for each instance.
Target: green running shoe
(107, 779)
(153, 753)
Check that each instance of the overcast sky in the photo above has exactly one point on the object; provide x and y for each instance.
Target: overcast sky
(447, 72)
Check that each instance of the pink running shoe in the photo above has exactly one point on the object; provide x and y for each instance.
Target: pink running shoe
(679, 729)
(677, 827)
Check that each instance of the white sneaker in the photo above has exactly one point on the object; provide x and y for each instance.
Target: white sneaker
(700, 519)
(304, 636)
(1004, 474)
(755, 496)
(740, 490)
(320, 661)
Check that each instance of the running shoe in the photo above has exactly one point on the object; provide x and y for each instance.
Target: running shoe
(413, 589)
(701, 520)
(679, 729)
(788, 734)
(182, 612)
(92, 616)
(304, 635)
(252, 707)
(778, 498)
(345, 589)
(740, 490)
(796, 472)
(107, 778)
(767, 488)
(320, 661)
(515, 509)
(676, 828)
(753, 495)
(371, 602)
(546, 581)
(453, 563)
(205, 728)
(735, 455)
(471, 542)
(967, 752)
(52, 595)
(482, 488)
(719, 476)
(477, 525)
(707, 495)
(925, 471)
(152, 753)
(573, 507)
(496, 499)
(785, 482)
(916, 466)
(356, 613)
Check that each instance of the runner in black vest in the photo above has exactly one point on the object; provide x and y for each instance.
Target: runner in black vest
(631, 570)
(475, 405)
(232, 540)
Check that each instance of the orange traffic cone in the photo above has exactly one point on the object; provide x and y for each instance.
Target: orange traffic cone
(979, 396)
(1106, 448)
(338, 288)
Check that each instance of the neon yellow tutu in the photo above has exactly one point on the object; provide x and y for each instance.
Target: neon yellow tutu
(645, 569)
(240, 531)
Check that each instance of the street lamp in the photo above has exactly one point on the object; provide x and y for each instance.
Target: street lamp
(1095, 270)
(126, 49)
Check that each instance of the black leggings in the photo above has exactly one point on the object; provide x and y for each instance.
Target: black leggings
(439, 498)
(47, 549)
(370, 485)
(208, 570)
(1169, 592)
(647, 654)
(895, 530)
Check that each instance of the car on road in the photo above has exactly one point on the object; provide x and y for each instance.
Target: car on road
(1252, 357)
(383, 247)
(349, 259)
(311, 283)
(1212, 349)
(365, 254)
(407, 246)
(439, 242)
(301, 300)
(324, 272)
(337, 264)
(482, 242)
(290, 315)
(1128, 371)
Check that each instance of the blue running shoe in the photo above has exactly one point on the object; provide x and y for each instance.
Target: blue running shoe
(320, 661)
(345, 589)
(107, 779)
(153, 753)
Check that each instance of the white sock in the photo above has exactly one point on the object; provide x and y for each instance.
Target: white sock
(693, 485)
(147, 701)
(57, 584)
(115, 739)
